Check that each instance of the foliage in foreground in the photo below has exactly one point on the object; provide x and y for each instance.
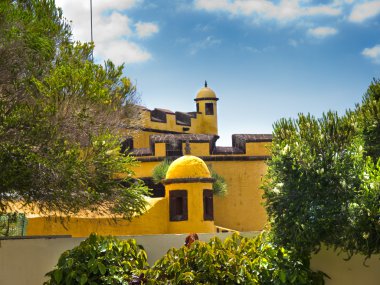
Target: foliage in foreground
(237, 260)
(99, 260)
(219, 186)
(60, 118)
(323, 182)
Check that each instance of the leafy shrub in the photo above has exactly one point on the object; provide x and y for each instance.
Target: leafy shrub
(237, 260)
(159, 171)
(99, 260)
(323, 181)
(219, 187)
(369, 119)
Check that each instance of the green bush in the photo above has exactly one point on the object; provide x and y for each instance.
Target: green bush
(99, 260)
(159, 171)
(237, 260)
(323, 181)
(219, 187)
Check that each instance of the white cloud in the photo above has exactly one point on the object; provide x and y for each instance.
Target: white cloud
(284, 10)
(293, 42)
(208, 42)
(322, 32)
(122, 51)
(145, 30)
(364, 11)
(373, 53)
(113, 30)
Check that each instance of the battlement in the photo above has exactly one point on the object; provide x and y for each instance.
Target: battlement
(167, 119)
(244, 147)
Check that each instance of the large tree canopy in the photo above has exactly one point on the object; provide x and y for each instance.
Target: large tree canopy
(61, 118)
(323, 182)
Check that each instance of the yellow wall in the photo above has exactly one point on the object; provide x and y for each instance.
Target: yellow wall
(145, 169)
(154, 221)
(242, 208)
(257, 148)
(198, 149)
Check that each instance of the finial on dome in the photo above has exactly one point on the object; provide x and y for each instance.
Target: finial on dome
(205, 83)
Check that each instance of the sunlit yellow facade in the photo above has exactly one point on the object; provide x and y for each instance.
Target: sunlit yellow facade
(242, 165)
(170, 135)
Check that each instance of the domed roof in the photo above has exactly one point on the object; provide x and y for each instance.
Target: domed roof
(188, 166)
(205, 92)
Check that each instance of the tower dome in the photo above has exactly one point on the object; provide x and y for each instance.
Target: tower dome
(205, 93)
(188, 166)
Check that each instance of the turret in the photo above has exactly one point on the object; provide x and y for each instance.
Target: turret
(188, 186)
(207, 110)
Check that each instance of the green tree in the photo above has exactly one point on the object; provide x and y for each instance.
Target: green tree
(321, 186)
(61, 117)
(369, 117)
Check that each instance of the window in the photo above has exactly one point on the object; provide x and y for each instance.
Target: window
(209, 108)
(208, 205)
(178, 205)
(174, 148)
(197, 107)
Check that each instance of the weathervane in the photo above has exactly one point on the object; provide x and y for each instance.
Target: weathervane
(205, 83)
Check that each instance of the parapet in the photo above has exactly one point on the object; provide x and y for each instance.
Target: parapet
(244, 147)
(159, 115)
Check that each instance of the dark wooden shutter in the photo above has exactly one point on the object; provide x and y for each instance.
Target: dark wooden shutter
(208, 205)
(178, 205)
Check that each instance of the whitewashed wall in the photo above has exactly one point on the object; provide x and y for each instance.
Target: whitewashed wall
(347, 272)
(25, 261)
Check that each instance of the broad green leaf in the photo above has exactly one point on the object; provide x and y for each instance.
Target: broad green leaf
(102, 268)
(58, 275)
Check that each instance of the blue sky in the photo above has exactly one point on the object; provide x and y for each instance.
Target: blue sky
(264, 59)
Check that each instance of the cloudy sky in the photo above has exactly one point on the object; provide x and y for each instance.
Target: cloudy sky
(264, 59)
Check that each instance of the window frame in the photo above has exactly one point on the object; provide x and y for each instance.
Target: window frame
(173, 206)
(209, 109)
(208, 205)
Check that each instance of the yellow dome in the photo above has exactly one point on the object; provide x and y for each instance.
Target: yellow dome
(206, 92)
(188, 166)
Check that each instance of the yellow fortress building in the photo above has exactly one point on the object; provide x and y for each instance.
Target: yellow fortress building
(184, 202)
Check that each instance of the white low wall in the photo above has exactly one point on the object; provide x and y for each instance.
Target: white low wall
(26, 261)
(347, 272)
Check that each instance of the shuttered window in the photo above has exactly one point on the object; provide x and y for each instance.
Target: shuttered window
(208, 205)
(178, 205)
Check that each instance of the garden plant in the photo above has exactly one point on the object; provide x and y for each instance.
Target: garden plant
(99, 260)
